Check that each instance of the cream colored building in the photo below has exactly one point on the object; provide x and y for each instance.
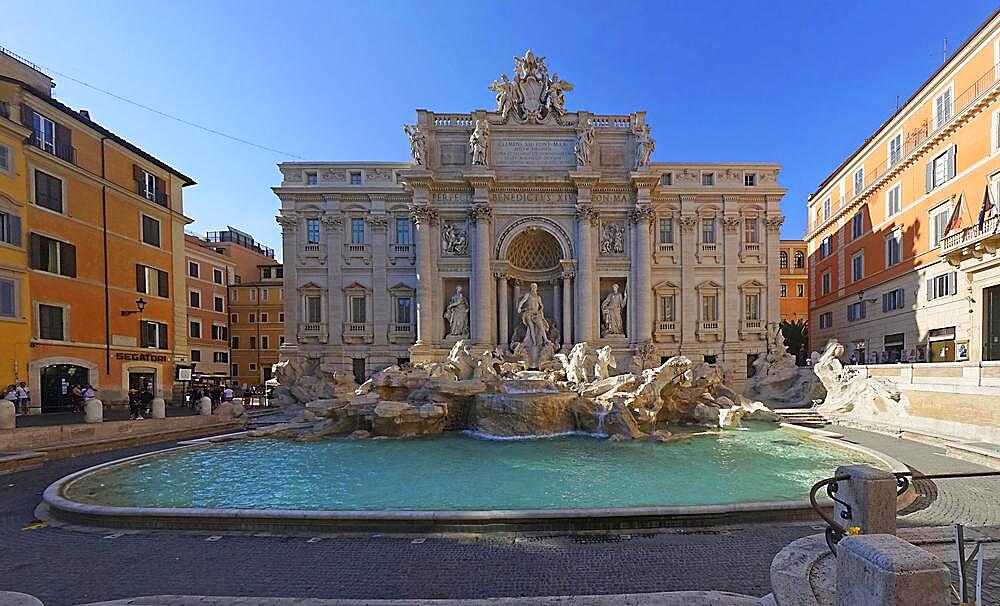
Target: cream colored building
(375, 252)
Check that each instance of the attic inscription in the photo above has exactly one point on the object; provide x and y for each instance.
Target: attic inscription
(534, 153)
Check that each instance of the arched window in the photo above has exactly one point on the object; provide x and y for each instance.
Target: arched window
(783, 259)
(800, 260)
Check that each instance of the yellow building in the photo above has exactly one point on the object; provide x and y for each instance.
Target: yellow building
(15, 298)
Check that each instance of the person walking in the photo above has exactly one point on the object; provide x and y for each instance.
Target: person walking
(227, 394)
(133, 404)
(89, 393)
(23, 398)
(145, 400)
(77, 394)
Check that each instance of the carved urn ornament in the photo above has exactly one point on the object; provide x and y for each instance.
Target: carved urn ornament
(532, 96)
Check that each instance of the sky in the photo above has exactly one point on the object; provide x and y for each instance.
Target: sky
(801, 83)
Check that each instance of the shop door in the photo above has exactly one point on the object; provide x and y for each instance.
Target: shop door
(142, 380)
(991, 319)
(56, 383)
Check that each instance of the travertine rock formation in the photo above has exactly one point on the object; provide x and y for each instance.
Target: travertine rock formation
(849, 393)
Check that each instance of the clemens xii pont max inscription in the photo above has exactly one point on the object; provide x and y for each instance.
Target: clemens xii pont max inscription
(526, 228)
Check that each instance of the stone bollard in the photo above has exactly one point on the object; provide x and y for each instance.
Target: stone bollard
(93, 411)
(158, 409)
(872, 495)
(884, 570)
(8, 415)
(205, 406)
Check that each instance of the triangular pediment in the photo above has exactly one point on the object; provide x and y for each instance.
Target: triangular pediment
(707, 284)
(666, 285)
(311, 286)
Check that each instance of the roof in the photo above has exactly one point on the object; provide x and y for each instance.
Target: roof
(104, 131)
(904, 105)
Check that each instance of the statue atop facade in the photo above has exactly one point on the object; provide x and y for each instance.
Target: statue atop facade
(644, 146)
(454, 241)
(532, 96)
(613, 239)
(584, 144)
(611, 312)
(479, 143)
(457, 314)
(418, 143)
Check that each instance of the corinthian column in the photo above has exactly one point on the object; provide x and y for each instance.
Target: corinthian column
(586, 289)
(567, 325)
(642, 292)
(503, 309)
(424, 218)
(482, 279)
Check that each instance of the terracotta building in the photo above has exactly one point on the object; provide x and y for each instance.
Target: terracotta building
(209, 274)
(256, 321)
(793, 293)
(242, 249)
(103, 226)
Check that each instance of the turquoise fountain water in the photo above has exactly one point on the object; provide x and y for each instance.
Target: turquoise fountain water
(457, 472)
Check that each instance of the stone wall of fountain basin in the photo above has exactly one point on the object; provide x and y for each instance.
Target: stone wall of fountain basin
(524, 414)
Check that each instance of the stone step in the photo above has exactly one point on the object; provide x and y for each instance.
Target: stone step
(11, 462)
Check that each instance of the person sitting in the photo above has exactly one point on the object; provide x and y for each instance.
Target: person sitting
(145, 401)
(77, 394)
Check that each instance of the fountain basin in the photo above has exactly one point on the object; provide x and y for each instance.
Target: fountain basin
(523, 414)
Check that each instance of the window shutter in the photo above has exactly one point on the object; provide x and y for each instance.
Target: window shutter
(901, 298)
(140, 183)
(35, 251)
(67, 254)
(161, 188)
(953, 283)
(27, 116)
(14, 223)
(140, 278)
(143, 335)
(930, 289)
(951, 161)
(161, 330)
(64, 142)
(163, 283)
(7, 307)
(929, 177)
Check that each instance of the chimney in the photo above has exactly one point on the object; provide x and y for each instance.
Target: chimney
(85, 114)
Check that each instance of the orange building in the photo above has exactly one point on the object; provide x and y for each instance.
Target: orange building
(257, 320)
(899, 262)
(104, 230)
(246, 253)
(793, 294)
(209, 274)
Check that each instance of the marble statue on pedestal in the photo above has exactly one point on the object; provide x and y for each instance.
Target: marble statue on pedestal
(535, 347)
(584, 144)
(457, 314)
(479, 143)
(644, 146)
(611, 312)
(418, 143)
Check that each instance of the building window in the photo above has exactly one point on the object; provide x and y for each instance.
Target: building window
(217, 276)
(357, 231)
(666, 231)
(236, 342)
(220, 357)
(220, 304)
(893, 201)
(194, 330)
(941, 169)
(150, 186)
(856, 311)
(44, 133)
(48, 191)
(825, 283)
(893, 248)
(281, 317)
(6, 163)
(749, 179)
(895, 149)
(859, 181)
(750, 232)
(312, 230)
(264, 294)
(825, 247)
(800, 290)
(857, 225)
(666, 310)
(220, 332)
(355, 178)
(404, 310)
(252, 343)
(939, 223)
(252, 318)
(942, 108)
(708, 179)
(359, 310)
(667, 179)
(313, 309)
(263, 317)
(194, 298)
(265, 342)
(234, 370)
(858, 266)
(10, 229)
(708, 231)
(8, 298)
(784, 291)
(252, 367)
(193, 269)
(800, 260)
(826, 319)
(196, 355)
(892, 300)
(827, 207)
(710, 308)
(253, 294)
(150, 231)
(281, 340)
(153, 334)
(358, 366)
(942, 286)
(404, 231)
(265, 272)
(751, 306)
(783, 259)
(311, 177)
(51, 322)
(53, 256)
(152, 281)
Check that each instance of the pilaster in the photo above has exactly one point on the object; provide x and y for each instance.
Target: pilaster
(334, 228)
(378, 224)
(483, 298)
(641, 220)
(587, 218)
(288, 221)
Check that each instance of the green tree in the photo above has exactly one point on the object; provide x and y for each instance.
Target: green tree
(796, 336)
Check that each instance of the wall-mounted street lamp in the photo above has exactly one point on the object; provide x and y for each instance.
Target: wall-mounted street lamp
(140, 304)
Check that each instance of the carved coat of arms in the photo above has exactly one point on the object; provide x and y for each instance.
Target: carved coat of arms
(532, 96)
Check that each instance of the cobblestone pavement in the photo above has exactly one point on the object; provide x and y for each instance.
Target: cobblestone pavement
(64, 567)
(685, 598)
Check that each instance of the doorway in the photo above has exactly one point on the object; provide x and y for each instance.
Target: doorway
(991, 323)
(140, 381)
(56, 382)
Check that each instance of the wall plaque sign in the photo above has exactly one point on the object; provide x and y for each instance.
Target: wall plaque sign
(534, 153)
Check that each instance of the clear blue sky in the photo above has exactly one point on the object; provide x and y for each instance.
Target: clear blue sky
(800, 83)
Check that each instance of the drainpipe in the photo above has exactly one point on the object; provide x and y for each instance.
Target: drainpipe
(107, 284)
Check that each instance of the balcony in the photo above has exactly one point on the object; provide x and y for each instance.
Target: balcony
(353, 252)
(401, 250)
(668, 248)
(312, 249)
(357, 332)
(709, 248)
(313, 330)
(666, 330)
(972, 242)
(401, 332)
(752, 327)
